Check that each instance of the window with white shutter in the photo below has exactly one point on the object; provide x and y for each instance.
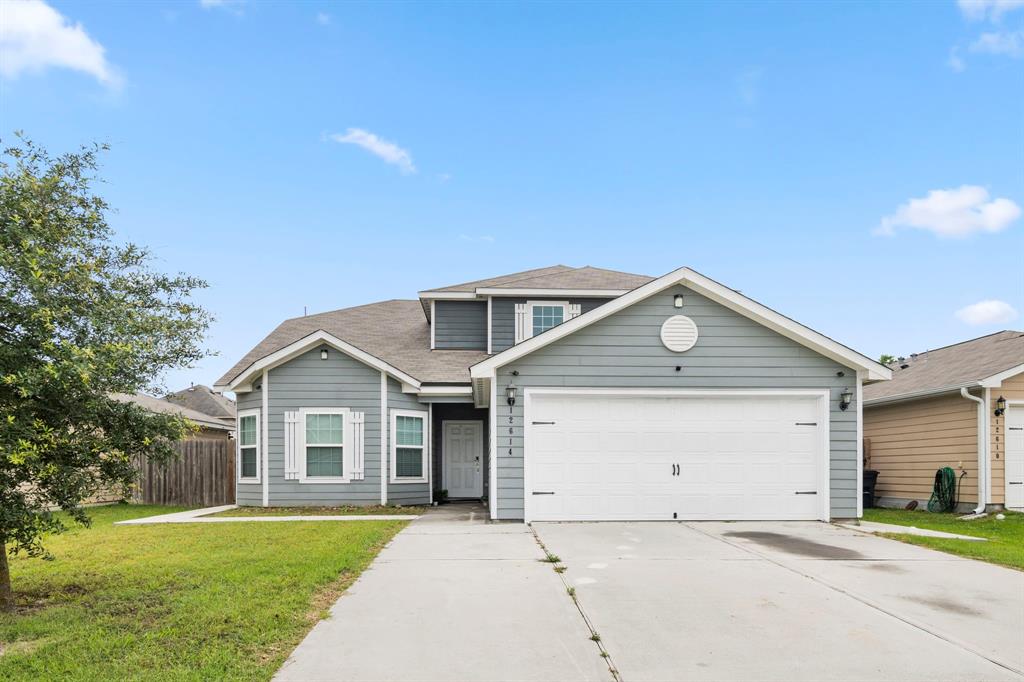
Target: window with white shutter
(536, 317)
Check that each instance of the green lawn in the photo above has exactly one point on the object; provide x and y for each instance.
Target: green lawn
(373, 510)
(177, 602)
(1005, 544)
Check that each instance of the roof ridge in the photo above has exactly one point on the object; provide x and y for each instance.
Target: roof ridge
(960, 343)
(355, 307)
(534, 272)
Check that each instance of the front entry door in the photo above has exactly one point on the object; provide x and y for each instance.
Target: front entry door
(463, 451)
(1015, 458)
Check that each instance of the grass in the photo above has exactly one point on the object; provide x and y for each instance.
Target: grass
(373, 510)
(177, 602)
(1005, 544)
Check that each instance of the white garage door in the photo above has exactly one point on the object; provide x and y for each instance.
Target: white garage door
(600, 456)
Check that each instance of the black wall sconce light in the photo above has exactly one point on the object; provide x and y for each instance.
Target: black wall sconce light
(510, 395)
(677, 301)
(323, 353)
(1000, 406)
(845, 398)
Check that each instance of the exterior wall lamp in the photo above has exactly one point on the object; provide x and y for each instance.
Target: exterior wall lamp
(323, 353)
(510, 395)
(1000, 406)
(678, 301)
(845, 398)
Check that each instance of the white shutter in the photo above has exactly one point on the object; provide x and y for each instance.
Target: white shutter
(354, 445)
(520, 322)
(574, 310)
(291, 445)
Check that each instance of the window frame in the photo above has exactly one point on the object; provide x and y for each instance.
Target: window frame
(424, 449)
(346, 444)
(239, 478)
(530, 305)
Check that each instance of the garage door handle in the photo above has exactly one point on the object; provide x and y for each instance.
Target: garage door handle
(1016, 428)
(807, 423)
(1016, 482)
(543, 492)
(806, 492)
(542, 423)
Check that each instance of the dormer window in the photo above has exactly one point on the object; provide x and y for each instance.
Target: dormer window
(536, 317)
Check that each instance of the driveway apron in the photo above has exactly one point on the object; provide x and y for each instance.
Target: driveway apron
(452, 597)
(793, 601)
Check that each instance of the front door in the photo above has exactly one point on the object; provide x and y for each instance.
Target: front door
(463, 451)
(1015, 458)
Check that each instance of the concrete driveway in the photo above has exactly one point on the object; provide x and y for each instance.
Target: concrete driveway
(795, 601)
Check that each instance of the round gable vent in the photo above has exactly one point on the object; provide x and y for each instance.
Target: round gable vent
(679, 333)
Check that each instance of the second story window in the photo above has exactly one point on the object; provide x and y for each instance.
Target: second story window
(547, 316)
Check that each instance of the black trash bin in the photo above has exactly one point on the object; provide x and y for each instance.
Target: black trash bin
(870, 479)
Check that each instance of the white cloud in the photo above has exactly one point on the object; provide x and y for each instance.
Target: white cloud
(233, 6)
(34, 37)
(979, 10)
(987, 312)
(955, 62)
(1008, 43)
(381, 148)
(952, 213)
(323, 18)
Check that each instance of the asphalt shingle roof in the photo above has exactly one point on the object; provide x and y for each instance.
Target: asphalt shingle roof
(152, 404)
(393, 331)
(470, 287)
(951, 367)
(579, 278)
(202, 399)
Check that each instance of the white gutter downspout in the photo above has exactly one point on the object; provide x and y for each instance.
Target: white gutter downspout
(982, 449)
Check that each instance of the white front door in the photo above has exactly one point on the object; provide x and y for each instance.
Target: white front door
(1015, 458)
(600, 456)
(463, 451)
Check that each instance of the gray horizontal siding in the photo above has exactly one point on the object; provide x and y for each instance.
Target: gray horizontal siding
(460, 325)
(248, 494)
(403, 493)
(503, 317)
(338, 381)
(624, 350)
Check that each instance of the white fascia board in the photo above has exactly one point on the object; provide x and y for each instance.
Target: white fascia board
(446, 295)
(717, 292)
(574, 293)
(996, 380)
(438, 390)
(299, 347)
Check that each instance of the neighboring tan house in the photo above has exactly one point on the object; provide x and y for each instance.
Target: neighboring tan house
(960, 406)
(210, 426)
(204, 400)
(556, 394)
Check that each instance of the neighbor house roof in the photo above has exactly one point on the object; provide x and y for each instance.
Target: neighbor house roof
(152, 404)
(965, 364)
(203, 399)
(391, 331)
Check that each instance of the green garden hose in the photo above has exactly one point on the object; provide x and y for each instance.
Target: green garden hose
(944, 492)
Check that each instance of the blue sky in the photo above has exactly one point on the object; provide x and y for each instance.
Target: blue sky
(855, 166)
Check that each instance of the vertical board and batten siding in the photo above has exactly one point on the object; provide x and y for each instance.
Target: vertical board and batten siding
(1013, 390)
(406, 493)
(308, 381)
(247, 494)
(503, 317)
(910, 440)
(624, 350)
(460, 325)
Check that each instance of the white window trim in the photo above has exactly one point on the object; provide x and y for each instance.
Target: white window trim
(424, 448)
(530, 305)
(346, 445)
(238, 447)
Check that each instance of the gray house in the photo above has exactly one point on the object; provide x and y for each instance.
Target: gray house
(557, 394)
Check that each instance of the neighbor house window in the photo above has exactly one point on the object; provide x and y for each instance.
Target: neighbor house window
(408, 446)
(325, 444)
(249, 446)
(543, 315)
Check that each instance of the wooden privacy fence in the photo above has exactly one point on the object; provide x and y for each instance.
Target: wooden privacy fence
(203, 475)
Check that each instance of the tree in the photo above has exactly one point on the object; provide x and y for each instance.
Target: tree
(82, 318)
(886, 359)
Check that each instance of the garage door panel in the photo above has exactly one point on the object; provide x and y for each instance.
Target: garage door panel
(607, 457)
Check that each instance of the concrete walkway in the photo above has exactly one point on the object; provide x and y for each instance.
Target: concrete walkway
(201, 516)
(874, 528)
(452, 598)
